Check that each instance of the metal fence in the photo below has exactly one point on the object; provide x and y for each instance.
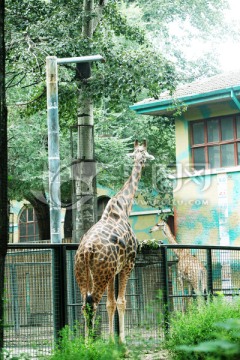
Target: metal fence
(42, 296)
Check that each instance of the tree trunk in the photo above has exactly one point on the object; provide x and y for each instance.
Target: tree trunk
(4, 220)
(41, 208)
(85, 212)
(68, 224)
(85, 215)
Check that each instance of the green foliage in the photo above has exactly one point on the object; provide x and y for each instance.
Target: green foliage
(226, 346)
(175, 26)
(150, 244)
(8, 356)
(27, 155)
(134, 69)
(198, 325)
(201, 14)
(120, 25)
(127, 71)
(72, 347)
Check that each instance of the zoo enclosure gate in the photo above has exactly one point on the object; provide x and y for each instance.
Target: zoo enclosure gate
(42, 296)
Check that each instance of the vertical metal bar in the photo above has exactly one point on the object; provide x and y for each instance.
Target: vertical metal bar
(72, 290)
(63, 286)
(15, 307)
(60, 317)
(141, 303)
(55, 293)
(28, 297)
(53, 149)
(163, 250)
(209, 272)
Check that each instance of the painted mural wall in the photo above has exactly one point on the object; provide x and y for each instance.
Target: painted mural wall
(207, 205)
(207, 209)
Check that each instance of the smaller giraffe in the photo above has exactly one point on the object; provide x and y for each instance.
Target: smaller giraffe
(189, 267)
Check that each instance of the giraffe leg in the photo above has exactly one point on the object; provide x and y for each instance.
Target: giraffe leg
(85, 288)
(121, 301)
(111, 307)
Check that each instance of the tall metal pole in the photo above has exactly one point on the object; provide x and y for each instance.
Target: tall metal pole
(54, 181)
(53, 149)
(53, 138)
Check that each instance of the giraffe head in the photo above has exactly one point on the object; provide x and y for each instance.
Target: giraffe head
(161, 225)
(140, 153)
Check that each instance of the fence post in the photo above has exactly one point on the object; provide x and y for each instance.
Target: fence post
(14, 289)
(165, 288)
(209, 272)
(59, 289)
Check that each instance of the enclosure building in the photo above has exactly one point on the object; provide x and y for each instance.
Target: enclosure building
(24, 225)
(207, 180)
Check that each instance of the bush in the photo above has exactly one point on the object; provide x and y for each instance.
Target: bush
(198, 325)
(73, 347)
(226, 346)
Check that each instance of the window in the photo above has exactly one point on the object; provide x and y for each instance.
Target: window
(215, 142)
(28, 226)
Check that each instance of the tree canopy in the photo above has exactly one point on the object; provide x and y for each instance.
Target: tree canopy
(134, 38)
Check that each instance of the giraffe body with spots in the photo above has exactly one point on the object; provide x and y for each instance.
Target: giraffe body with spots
(109, 248)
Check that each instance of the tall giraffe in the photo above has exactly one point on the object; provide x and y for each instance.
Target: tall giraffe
(109, 248)
(189, 267)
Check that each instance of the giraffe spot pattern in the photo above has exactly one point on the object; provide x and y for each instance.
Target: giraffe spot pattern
(110, 246)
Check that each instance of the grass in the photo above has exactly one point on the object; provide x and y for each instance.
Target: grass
(73, 347)
(208, 330)
(198, 325)
(226, 345)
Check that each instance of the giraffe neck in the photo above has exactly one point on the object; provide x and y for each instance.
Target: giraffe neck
(171, 239)
(126, 195)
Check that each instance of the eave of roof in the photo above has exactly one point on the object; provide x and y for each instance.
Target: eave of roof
(166, 106)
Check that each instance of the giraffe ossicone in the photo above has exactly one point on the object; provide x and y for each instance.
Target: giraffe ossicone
(109, 248)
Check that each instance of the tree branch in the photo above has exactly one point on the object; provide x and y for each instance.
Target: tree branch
(30, 101)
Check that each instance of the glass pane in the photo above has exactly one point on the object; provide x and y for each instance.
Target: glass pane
(199, 158)
(23, 216)
(227, 128)
(198, 133)
(30, 214)
(238, 126)
(238, 152)
(213, 130)
(22, 229)
(37, 233)
(227, 155)
(30, 229)
(214, 156)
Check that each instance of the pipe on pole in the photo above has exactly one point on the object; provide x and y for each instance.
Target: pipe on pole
(80, 59)
(53, 149)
